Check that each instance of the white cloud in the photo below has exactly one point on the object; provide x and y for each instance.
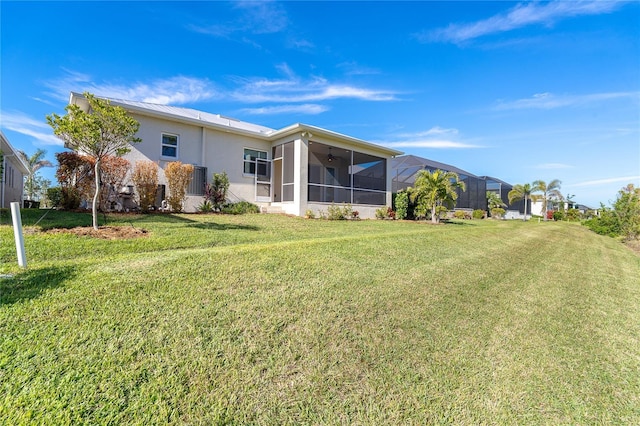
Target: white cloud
(353, 68)
(598, 182)
(550, 101)
(521, 15)
(255, 17)
(292, 88)
(286, 91)
(429, 143)
(174, 90)
(435, 138)
(310, 109)
(37, 129)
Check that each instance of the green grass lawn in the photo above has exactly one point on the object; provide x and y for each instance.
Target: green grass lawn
(266, 319)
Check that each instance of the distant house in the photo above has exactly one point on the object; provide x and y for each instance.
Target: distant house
(405, 170)
(13, 173)
(289, 170)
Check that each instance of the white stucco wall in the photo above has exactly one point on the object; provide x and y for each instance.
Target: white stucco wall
(12, 183)
(220, 152)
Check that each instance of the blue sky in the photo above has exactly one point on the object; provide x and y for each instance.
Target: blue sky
(516, 90)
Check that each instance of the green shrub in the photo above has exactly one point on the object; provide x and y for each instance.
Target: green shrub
(558, 215)
(70, 198)
(205, 207)
(497, 212)
(459, 214)
(478, 214)
(573, 215)
(242, 207)
(54, 195)
(402, 205)
(605, 224)
(335, 212)
(309, 214)
(385, 213)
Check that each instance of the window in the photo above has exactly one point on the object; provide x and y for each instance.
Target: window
(250, 157)
(199, 179)
(169, 145)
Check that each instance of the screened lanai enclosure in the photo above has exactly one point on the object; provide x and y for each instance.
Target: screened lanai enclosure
(338, 175)
(405, 169)
(502, 188)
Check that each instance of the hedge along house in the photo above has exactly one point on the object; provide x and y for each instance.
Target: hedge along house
(14, 171)
(290, 170)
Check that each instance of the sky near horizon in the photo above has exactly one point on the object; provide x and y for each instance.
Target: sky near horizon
(520, 91)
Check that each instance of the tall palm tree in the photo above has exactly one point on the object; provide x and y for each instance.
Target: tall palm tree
(436, 189)
(549, 190)
(34, 163)
(521, 192)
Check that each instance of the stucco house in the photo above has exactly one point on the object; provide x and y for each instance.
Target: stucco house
(14, 171)
(288, 170)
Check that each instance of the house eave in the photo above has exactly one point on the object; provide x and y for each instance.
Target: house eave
(266, 135)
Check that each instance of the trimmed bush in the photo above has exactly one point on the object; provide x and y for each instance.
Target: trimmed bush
(242, 207)
(402, 205)
(478, 214)
(343, 212)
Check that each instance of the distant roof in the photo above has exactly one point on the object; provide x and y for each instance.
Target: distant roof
(227, 123)
(495, 180)
(413, 161)
(8, 150)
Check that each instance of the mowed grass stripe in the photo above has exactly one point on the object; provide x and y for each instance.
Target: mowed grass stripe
(463, 324)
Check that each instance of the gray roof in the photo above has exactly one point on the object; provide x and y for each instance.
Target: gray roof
(413, 161)
(194, 114)
(496, 180)
(9, 151)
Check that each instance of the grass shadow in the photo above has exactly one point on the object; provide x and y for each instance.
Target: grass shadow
(30, 284)
(458, 222)
(212, 226)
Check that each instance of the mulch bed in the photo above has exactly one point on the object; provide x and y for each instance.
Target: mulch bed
(104, 232)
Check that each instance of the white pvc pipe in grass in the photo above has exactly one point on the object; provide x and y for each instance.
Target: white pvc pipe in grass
(17, 233)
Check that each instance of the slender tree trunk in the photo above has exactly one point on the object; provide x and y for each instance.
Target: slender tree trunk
(435, 216)
(96, 195)
(525, 208)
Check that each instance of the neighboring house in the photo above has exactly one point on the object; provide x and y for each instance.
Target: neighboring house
(13, 173)
(536, 208)
(290, 170)
(405, 170)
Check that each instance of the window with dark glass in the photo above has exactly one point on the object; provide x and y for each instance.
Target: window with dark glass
(250, 160)
(169, 145)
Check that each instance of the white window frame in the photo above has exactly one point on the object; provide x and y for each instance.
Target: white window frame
(246, 160)
(162, 145)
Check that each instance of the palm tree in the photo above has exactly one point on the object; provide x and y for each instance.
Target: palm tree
(435, 189)
(521, 192)
(495, 204)
(34, 163)
(552, 189)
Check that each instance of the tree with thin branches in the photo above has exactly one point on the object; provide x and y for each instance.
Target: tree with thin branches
(435, 190)
(34, 163)
(101, 131)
